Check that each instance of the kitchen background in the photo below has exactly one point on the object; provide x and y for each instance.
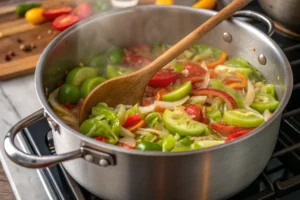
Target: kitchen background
(21, 43)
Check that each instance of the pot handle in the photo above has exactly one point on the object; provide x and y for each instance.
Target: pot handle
(27, 160)
(259, 17)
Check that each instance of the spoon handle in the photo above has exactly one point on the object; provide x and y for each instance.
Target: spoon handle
(193, 37)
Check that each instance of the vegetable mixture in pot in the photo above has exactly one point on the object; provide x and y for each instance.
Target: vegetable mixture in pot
(201, 99)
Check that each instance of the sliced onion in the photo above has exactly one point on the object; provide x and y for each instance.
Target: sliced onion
(128, 141)
(267, 115)
(126, 133)
(206, 81)
(151, 130)
(171, 105)
(128, 106)
(197, 100)
(164, 104)
(250, 94)
(56, 105)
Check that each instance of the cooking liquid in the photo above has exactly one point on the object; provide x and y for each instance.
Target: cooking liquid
(124, 3)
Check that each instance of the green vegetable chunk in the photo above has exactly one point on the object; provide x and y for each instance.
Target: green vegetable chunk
(243, 118)
(168, 143)
(115, 55)
(99, 63)
(108, 115)
(270, 90)
(148, 146)
(179, 93)
(79, 74)
(23, 8)
(113, 71)
(184, 126)
(264, 102)
(89, 84)
(68, 93)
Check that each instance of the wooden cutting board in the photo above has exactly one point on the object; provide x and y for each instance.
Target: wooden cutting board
(13, 28)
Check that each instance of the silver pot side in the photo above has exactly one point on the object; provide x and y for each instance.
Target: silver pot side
(212, 173)
(285, 12)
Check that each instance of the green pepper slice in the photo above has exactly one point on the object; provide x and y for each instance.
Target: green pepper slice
(115, 55)
(110, 116)
(133, 110)
(270, 90)
(184, 126)
(243, 118)
(113, 71)
(179, 93)
(148, 146)
(186, 141)
(168, 143)
(264, 102)
(89, 84)
(79, 74)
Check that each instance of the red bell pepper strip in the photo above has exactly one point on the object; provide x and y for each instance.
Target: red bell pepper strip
(229, 100)
(226, 130)
(132, 120)
(101, 139)
(195, 73)
(237, 135)
(220, 61)
(163, 78)
(53, 13)
(137, 126)
(194, 111)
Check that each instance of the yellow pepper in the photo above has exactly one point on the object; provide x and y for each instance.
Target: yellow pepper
(206, 4)
(35, 15)
(164, 2)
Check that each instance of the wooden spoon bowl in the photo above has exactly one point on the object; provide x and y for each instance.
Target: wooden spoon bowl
(129, 89)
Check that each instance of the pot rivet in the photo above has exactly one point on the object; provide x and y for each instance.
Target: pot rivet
(262, 59)
(227, 37)
(103, 162)
(89, 157)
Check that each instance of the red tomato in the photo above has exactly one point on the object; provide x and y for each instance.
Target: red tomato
(195, 73)
(65, 21)
(53, 13)
(132, 120)
(237, 135)
(83, 10)
(226, 130)
(136, 61)
(194, 111)
(163, 78)
(142, 50)
(101, 139)
(125, 146)
(68, 105)
(228, 99)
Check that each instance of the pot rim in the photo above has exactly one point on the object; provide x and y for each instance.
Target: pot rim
(40, 91)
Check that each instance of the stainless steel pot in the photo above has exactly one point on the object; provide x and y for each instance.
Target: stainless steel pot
(285, 12)
(111, 172)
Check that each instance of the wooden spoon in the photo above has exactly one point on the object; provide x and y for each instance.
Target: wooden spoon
(129, 89)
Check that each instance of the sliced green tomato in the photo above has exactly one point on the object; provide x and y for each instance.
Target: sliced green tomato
(264, 102)
(178, 66)
(68, 93)
(184, 126)
(180, 92)
(270, 90)
(113, 71)
(115, 55)
(99, 63)
(89, 84)
(79, 74)
(243, 118)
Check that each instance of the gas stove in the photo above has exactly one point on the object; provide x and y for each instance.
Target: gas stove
(279, 180)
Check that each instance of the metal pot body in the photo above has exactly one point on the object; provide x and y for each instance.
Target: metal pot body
(212, 173)
(285, 12)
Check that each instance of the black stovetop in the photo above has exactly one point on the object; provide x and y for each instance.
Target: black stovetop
(279, 180)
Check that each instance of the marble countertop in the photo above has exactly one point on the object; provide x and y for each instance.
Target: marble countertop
(18, 99)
